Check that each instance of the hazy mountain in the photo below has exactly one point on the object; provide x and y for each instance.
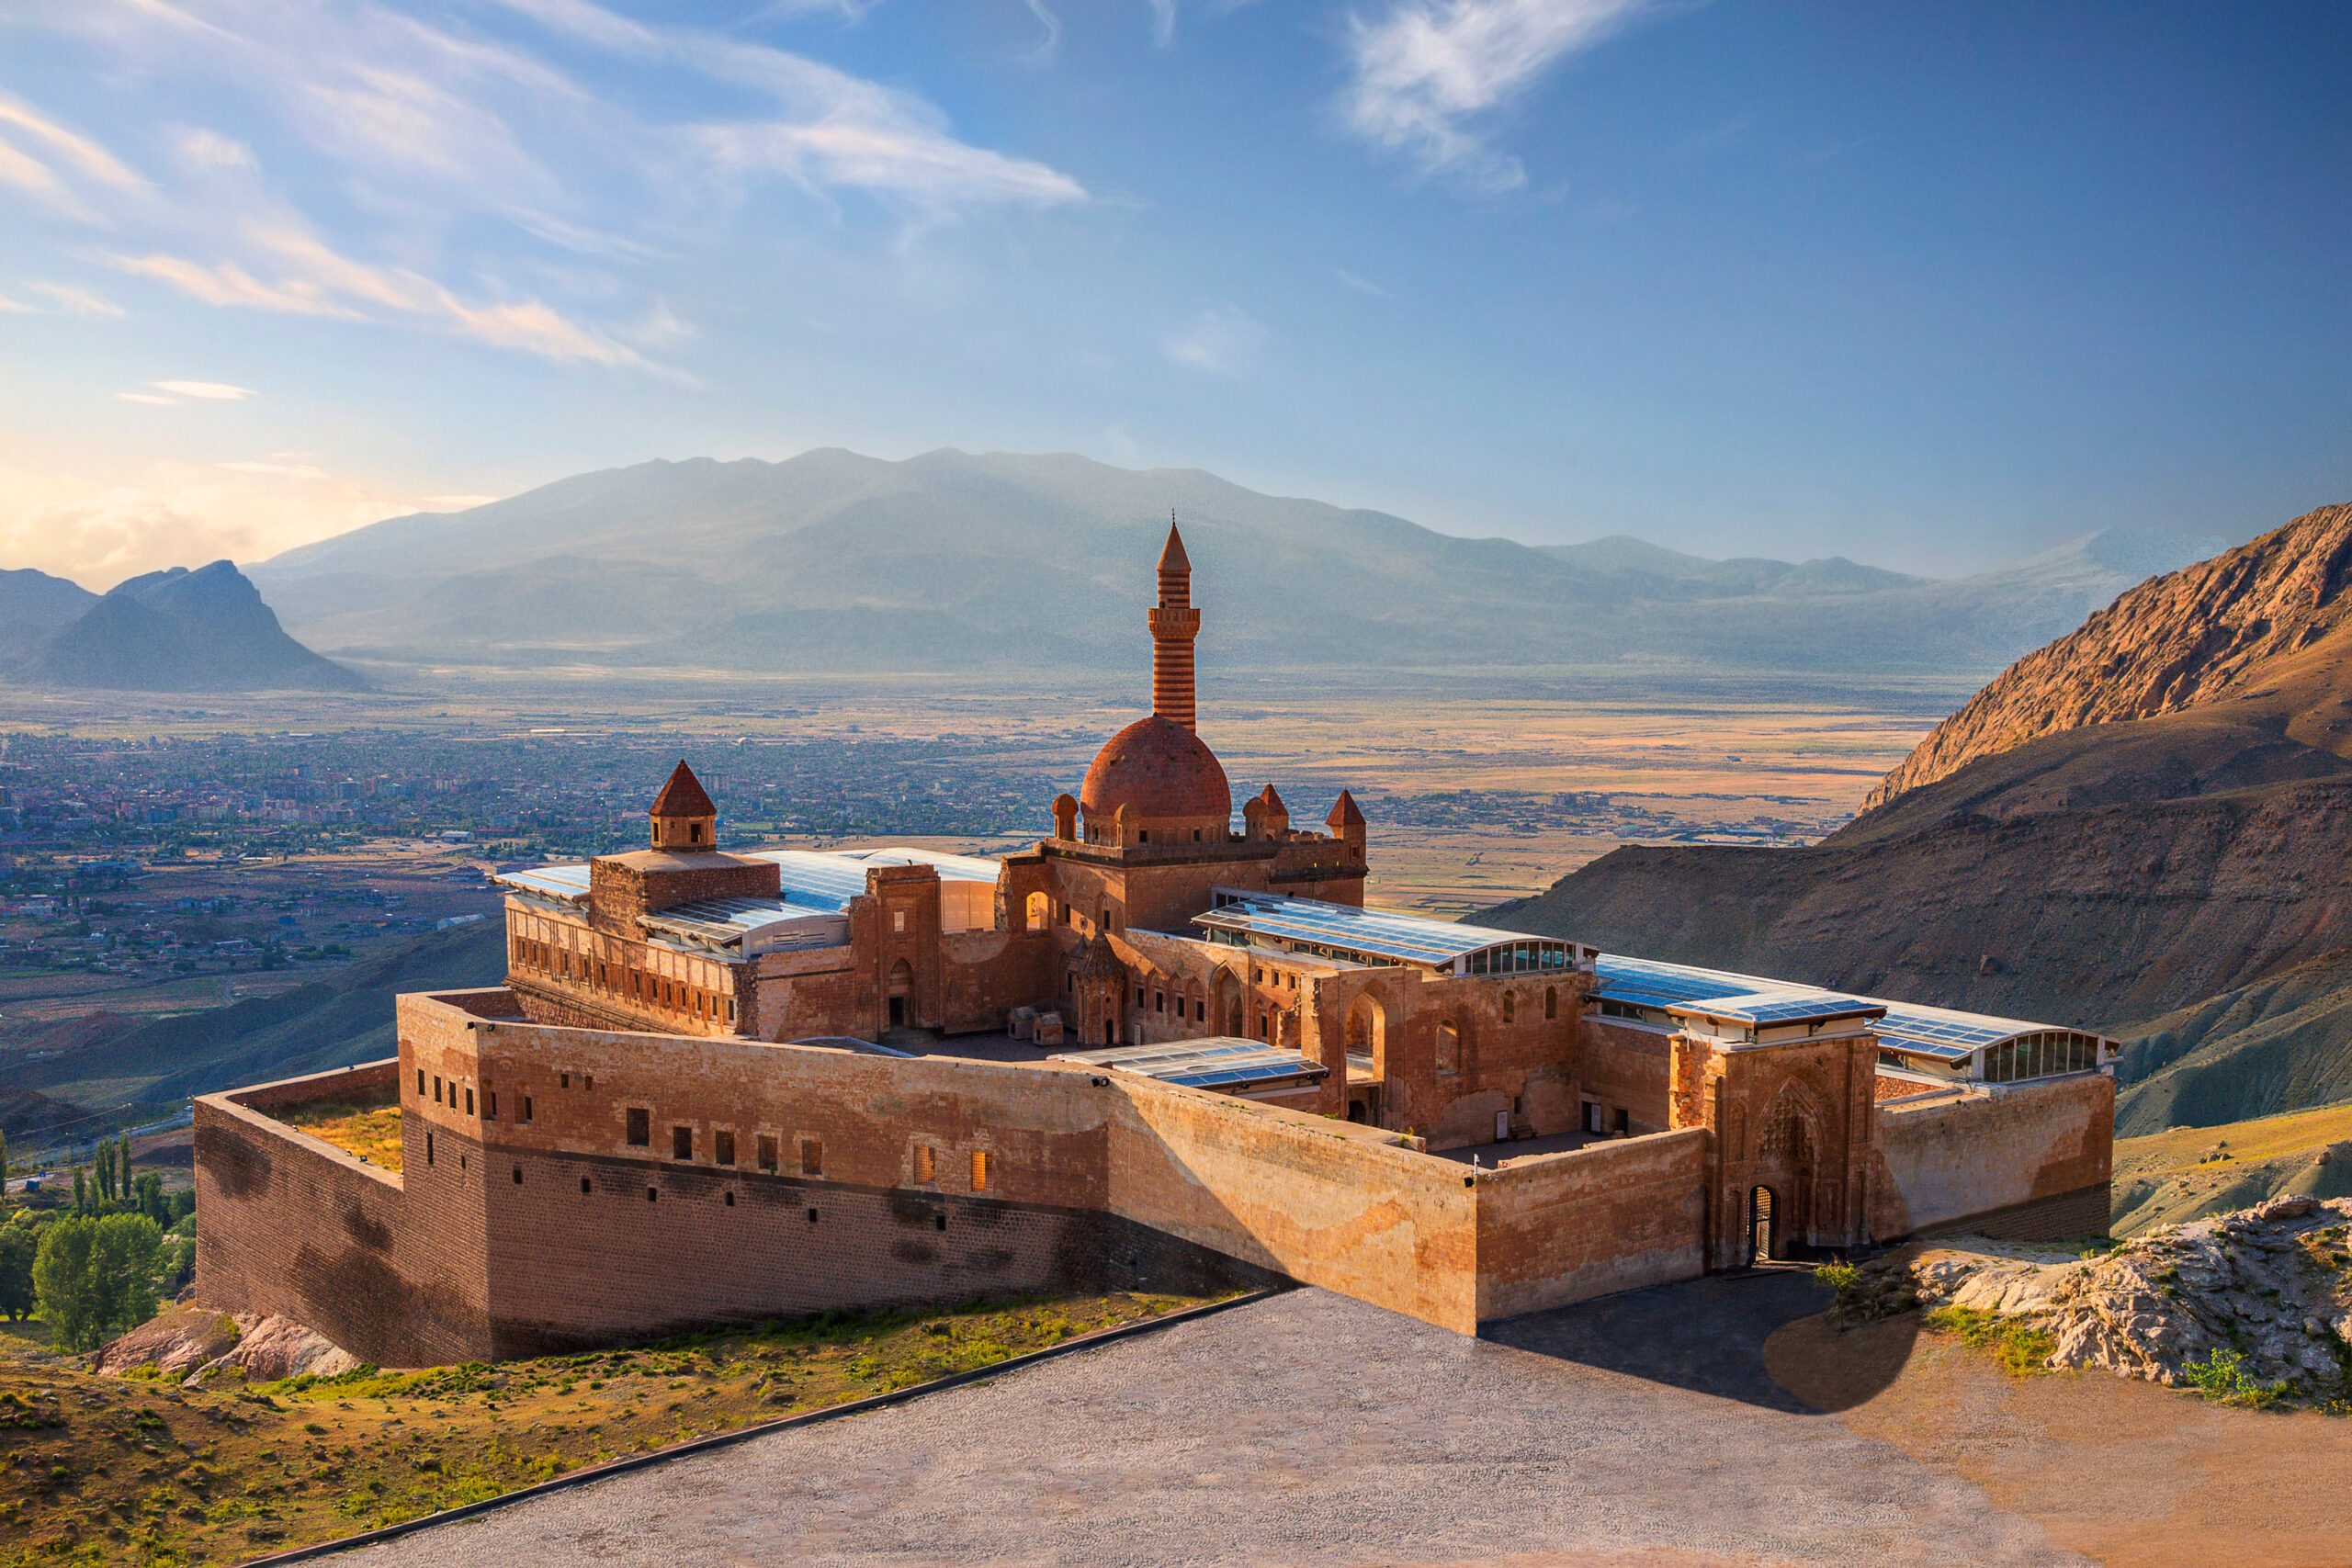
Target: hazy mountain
(182, 631)
(832, 561)
(2145, 827)
(33, 604)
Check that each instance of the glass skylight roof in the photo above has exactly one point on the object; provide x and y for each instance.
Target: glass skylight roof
(1375, 934)
(1939, 1032)
(1781, 1005)
(1217, 1062)
(569, 883)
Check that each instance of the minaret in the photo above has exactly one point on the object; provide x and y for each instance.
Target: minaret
(1174, 625)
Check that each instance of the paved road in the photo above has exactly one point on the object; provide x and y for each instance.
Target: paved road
(1308, 1429)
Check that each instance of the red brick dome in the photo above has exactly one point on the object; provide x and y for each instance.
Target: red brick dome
(1157, 770)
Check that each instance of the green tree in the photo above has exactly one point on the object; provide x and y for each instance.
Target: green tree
(81, 1194)
(19, 1245)
(103, 1174)
(63, 1281)
(3, 1162)
(122, 1167)
(124, 1259)
(95, 1278)
(151, 1204)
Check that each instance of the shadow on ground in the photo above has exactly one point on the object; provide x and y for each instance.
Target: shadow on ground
(1704, 1334)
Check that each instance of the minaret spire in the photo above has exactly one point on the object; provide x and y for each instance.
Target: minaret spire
(1174, 625)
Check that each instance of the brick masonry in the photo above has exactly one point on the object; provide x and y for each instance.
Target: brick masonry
(936, 1178)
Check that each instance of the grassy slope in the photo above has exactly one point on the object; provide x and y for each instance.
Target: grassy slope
(2169, 1177)
(102, 1469)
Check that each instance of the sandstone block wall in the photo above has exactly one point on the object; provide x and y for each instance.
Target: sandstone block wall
(287, 1223)
(2029, 1157)
(1613, 1216)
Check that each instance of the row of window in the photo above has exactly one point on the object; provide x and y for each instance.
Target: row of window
(489, 1096)
(652, 990)
(765, 1150)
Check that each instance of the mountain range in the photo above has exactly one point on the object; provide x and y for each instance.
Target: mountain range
(2145, 827)
(205, 630)
(831, 560)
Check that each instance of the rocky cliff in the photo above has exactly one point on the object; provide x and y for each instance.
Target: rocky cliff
(2180, 641)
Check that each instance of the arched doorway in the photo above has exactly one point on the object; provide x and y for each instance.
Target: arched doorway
(1761, 1235)
(901, 982)
(1224, 1001)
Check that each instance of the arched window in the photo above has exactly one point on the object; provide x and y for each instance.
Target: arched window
(1449, 1047)
(1550, 1001)
(1510, 1007)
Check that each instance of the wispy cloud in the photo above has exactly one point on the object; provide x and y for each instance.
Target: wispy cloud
(459, 144)
(75, 300)
(209, 391)
(17, 307)
(1163, 22)
(1222, 340)
(153, 400)
(1428, 72)
(1361, 285)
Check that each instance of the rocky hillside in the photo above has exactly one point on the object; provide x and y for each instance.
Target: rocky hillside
(183, 631)
(2254, 1307)
(2166, 870)
(2185, 640)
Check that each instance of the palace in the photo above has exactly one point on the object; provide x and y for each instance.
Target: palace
(1157, 1045)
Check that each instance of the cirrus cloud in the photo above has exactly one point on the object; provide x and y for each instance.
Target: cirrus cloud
(1427, 73)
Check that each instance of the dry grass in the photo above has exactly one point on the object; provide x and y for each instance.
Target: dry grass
(131, 1470)
(2169, 1176)
(372, 1131)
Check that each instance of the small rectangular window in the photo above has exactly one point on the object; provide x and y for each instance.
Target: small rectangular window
(979, 1171)
(591, 1082)
(641, 1126)
(563, 1080)
(526, 1108)
(722, 1147)
(489, 1105)
(470, 1102)
(767, 1152)
(926, 1163)
(1160, 1001)
(681, 1143)
(898, 920)
(812, 1157)
(428, 1149)
(420, 1083)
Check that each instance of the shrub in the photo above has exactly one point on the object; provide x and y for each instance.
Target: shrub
(2016, 1344)
(2222, 1377)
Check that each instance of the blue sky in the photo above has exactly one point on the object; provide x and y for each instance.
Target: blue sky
(1931, 285)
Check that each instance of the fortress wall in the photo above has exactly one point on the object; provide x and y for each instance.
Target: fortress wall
(1328, 1203)
(1613, 1216)
(1622, 1066)
(655, 1244)
(288, 1224)
(2034, 1161)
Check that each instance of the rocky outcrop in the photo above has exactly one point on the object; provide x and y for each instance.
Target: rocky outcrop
(2257, 1303)
(2175, 642)
(190, 1343)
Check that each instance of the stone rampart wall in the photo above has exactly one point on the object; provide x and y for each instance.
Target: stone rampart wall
(1990, 1160)
(1612, 1216)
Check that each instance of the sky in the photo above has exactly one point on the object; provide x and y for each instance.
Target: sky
(1933, 286)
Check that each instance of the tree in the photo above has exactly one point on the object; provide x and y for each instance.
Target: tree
(81, 1195)
(124, 1262)
(96, 1278)
(103, 1172)
(150, 1196)
(122, 1167)
(17, 1247)
(61, 1280)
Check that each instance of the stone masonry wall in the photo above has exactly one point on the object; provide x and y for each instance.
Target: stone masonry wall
(287, 1223)
(1614, 1216)
(1960, 1163)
